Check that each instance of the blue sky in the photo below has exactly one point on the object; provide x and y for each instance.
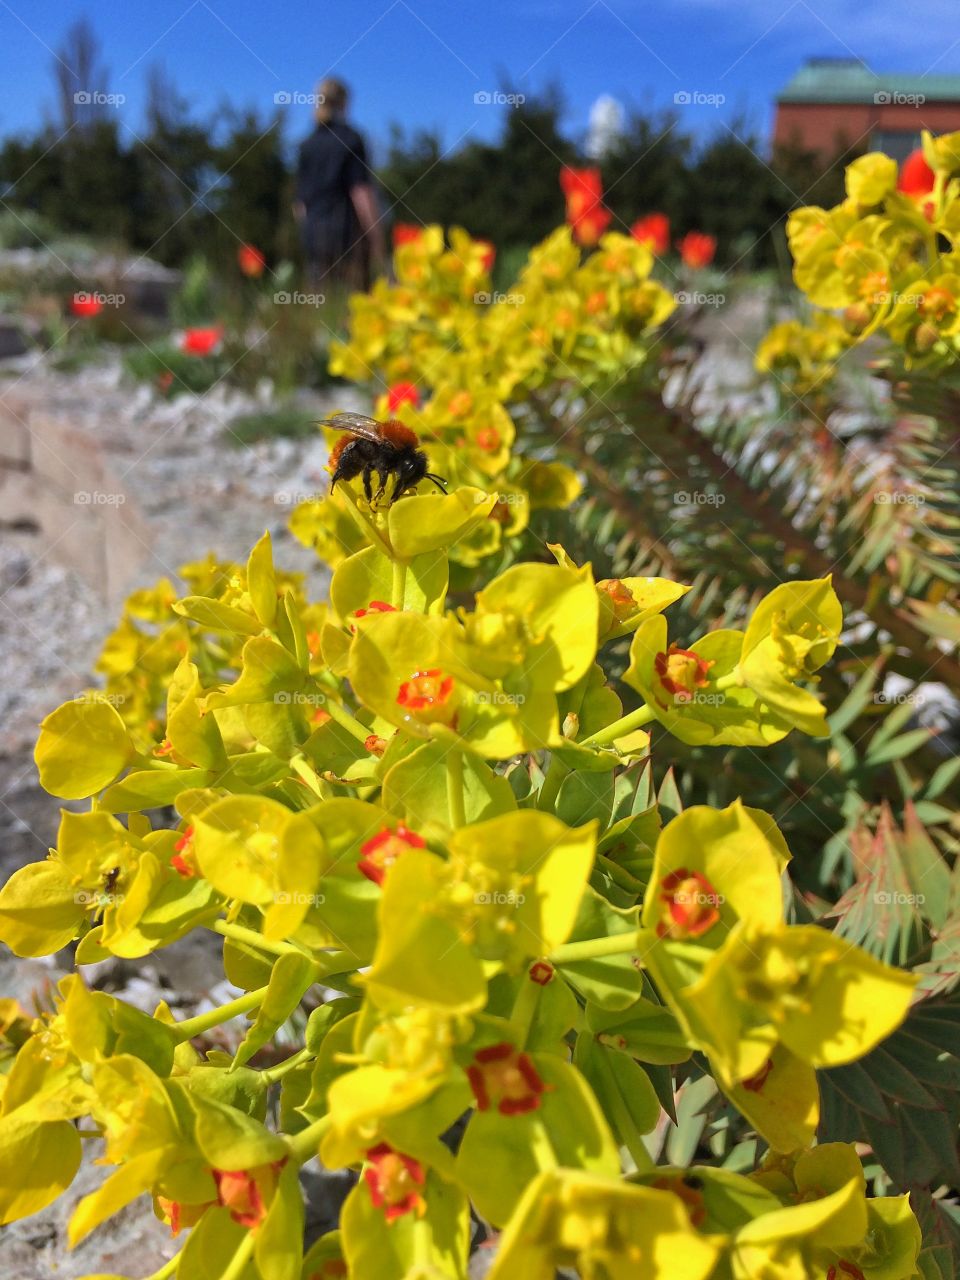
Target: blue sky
(422, 62)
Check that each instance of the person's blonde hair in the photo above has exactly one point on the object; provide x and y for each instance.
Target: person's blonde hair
(332, 96)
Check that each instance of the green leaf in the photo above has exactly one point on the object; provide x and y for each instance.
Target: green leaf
(292, 977)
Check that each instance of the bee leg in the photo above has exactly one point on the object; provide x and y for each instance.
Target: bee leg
(398, 488)
(367, 473)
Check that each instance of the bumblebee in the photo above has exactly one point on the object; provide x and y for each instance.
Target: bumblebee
(387, 448)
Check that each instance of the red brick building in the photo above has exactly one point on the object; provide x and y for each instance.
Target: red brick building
(836, 104)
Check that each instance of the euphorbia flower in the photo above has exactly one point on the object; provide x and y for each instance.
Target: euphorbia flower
(502, 1077)
(427, 695)
(402, 393)
(201, 342)
(588, 218)
(620, 596)
(247, 1192)
(488, 439)
(689, 905)
(687, 1187)
(653, 230)
(697, 249)
(180, 1215)
(844, 1268)
(184, 860)
(406, 233)
(541, 973)
(394, 1181)
(381, 851)
(375, 744)
(85, 304)
(681, 672)
(251, 260)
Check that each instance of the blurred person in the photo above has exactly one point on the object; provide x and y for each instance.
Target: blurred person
(335, 201)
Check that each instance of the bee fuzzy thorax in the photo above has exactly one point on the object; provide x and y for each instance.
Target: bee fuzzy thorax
(400, 436)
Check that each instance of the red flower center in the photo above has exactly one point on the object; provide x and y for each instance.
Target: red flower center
(690, 905)
(755, 1083)
(375, 606)
(184, 860)
(381, 851)
(541, 973)
(503, 1077)
(394, 1181)
(427, 695)
(681, 672)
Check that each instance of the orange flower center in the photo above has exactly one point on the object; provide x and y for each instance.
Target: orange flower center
(937, 303)
(488, 439)
(619, 595)
(875, 287)
(689, 905)
(460, 404)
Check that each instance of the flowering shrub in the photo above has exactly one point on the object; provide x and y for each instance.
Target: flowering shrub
(442, 819)
(461, 364)
(883, 261)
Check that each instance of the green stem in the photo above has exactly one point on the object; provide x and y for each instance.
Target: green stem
(304, 770)
(167, 1269)
(365, 523)
(398, 589)
(595, 948)
(305, 1143)
(422, 1242)
(543, 1150)
(237, 1264)
(280, 1070)
(525, 1008)
(239, 933)
(191, 1027)
(455, 802)
(556, 772)
(346, 720)
(626, 724)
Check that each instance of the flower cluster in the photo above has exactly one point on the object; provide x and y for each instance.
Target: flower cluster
(883, 261)
(461, 361)
(461, 845)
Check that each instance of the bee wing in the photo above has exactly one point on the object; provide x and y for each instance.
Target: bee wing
(356, 423)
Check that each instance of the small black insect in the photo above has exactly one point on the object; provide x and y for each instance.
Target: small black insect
(387, 448)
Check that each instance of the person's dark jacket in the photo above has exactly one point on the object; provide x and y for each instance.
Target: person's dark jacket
(332, 161)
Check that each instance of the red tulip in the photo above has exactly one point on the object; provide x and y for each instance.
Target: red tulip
(697, 249)
(917, 180)
(583, 189)
(406, 233)
(653, 230)
(85, 304)
(402, 393)
(201, 342)
(489, 254)
(251, 260)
